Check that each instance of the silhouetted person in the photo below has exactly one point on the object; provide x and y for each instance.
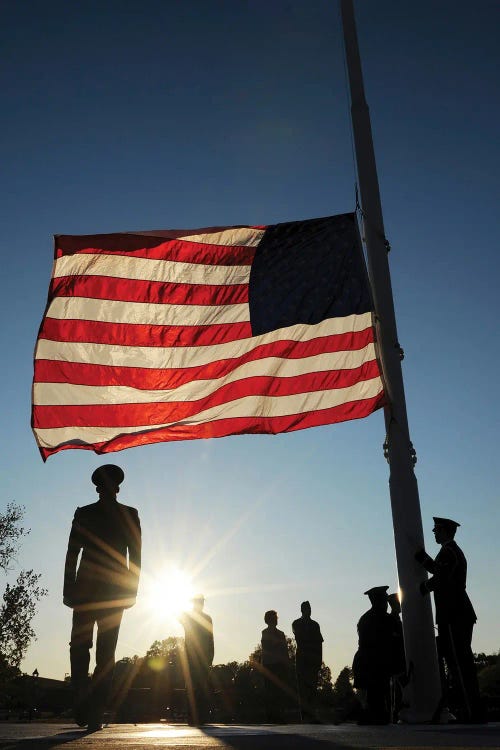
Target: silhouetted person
(199, 645)
(103, 586)
(455, 618)
(372, 661)
(276, 666)
(398, 661)
(308, 660)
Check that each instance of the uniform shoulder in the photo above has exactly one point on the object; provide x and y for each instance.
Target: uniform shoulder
(132, 513)
(449, 551)
(366, 615)
(85, 510)
(129, 509)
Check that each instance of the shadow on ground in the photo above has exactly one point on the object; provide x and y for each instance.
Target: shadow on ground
(205, 740)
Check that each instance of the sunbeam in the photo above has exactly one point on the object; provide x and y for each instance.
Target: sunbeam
(170, 593)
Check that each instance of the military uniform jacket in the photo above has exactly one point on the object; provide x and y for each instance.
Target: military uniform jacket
(309, 641)
(374, 658)
(274, 647)
(105, 532)
(198, 638)
(449, 570)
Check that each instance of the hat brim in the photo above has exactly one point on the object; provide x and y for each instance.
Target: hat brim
(109, 473)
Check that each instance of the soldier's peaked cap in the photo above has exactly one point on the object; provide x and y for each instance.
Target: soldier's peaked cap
(108, 473)
(377, 591)
(446, 522)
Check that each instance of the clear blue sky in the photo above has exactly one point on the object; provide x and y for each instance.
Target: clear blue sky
(128, 115)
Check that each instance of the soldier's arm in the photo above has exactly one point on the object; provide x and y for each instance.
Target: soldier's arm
(211, 649)
(443, 569)
(426, 560)
(74, 546)
(135, 548)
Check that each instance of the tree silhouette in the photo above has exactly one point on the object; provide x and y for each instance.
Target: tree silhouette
(325, 686)
(344, 699)
(489, 684)
(19, 598)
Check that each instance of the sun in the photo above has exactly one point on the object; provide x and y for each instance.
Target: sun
(170, 593)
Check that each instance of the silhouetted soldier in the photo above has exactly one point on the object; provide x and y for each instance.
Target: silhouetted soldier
(199, 645)
(308, 660)
(276, 667)
(372, 661)
(102, 587)
(398, 661)
(455, 617)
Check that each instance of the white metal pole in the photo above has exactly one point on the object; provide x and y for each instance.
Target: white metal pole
(424, 690)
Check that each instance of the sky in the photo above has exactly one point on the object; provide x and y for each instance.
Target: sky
(137, 115)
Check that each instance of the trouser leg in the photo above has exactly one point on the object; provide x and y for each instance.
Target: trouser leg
(378, 700)
(461, 641)
(187, 668)
(307, 687)
(302, 690)
(272, 699)
(454, 641)
(396, 697)
(201, 694)
(80, 645)
(441, 645)
(108, 627)
(198, 686)
(278, 692)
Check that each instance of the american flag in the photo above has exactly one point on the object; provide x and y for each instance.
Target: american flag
(174, 335)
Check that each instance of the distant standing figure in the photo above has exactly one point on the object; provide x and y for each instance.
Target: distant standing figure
(199, 645)
(372, 661)
(103, 586)
(455, 617)
(398, 647)
(308, 660)
(398, 659)
(276, 667)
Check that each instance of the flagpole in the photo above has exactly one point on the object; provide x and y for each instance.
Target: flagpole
(424, 689)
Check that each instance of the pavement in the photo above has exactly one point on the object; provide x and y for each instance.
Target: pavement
(37, 735)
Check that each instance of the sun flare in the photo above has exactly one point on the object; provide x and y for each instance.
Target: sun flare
(170, 593)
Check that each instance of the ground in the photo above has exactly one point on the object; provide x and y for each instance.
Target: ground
(40, 736)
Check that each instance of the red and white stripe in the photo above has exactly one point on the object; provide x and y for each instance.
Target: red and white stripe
(154, 344)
